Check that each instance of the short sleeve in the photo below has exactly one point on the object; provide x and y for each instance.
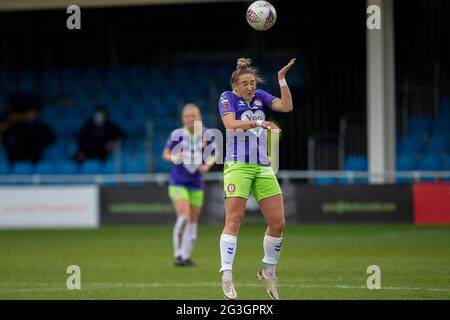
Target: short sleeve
(172, 141)
(225, 105)
(268, 99)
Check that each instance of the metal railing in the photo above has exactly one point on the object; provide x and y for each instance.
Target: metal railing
(162, 178)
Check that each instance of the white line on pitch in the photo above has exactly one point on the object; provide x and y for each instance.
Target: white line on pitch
(49, 287)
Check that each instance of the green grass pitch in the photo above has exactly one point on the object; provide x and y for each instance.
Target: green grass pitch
(317, 262)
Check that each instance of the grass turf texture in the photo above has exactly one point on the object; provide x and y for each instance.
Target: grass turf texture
(317, 262)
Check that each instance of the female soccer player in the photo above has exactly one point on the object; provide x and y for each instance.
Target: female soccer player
(186, 182)
(247, 168)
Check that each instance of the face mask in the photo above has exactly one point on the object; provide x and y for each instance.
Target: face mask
(99, 119)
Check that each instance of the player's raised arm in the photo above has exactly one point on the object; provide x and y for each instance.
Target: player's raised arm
(285, 103)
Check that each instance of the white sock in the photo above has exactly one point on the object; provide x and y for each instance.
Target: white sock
(272, 250)
(177, 234)
(227, 275)
(270, 269)
(188, 241)
(228, 245)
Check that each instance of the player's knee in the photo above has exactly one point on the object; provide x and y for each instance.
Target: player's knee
(234, 224)
(278, 226)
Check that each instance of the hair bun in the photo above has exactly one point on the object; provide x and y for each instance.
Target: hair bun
(243, 63)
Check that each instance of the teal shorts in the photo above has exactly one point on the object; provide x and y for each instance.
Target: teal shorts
(194, 197)
(242, 178)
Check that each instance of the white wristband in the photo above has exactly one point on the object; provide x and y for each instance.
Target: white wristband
(282, 82)
(259, 123)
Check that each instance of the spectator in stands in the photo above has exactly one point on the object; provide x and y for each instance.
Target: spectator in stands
(97, 137)
(26, 140)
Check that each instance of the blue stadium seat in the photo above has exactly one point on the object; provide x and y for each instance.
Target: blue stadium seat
(53, 111)
(182, 71)
(437, 145)
(440, 125)
(48, 88)
(91, 167)
(55, 152)
(411, 145)
(419, 124)
(163, 166)
(166, 109)
(134, 166)
(75, 112)
(127, 95)
(325, 180)
(93, 74)
(158, 148)
(204, 71)
(63, 128)
(71, 148)
(22, 168)
(67, 168)
(138, 73)
(136, 128)
(195, 93)
(405, 163)
(354, 163)
(109, 167)
(4, 167)
(158, 73)
(417, 135)
(105, 96)
(45, 168)
(141, 110)
(73, 89)
(50, 74)
(117, 112)
(149, 99)
(166, 125)
(429, 163)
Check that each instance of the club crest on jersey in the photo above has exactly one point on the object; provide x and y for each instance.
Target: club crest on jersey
(241, 103)
(257, 104)
(225, 105)
(231, 187)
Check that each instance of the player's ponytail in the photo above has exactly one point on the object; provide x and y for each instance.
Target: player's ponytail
(244, 66)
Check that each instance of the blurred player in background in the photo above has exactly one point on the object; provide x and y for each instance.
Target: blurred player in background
(186, 182)
(247, 168)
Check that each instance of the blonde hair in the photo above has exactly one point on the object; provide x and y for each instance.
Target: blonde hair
(191, 106)
(243, 66)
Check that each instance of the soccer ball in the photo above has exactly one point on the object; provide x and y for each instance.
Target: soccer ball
(261, 15)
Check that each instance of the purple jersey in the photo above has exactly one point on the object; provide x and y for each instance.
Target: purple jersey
(186, 174)
(251, 146)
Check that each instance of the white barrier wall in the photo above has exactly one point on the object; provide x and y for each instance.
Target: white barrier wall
(49, 207)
